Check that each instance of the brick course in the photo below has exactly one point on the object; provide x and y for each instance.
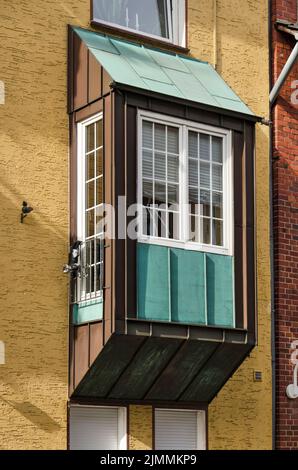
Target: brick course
(285, 214)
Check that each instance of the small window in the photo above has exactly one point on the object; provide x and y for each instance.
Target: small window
(180, 430)
(97, 428)
(163, 19)
(90, 207)
(185, 186)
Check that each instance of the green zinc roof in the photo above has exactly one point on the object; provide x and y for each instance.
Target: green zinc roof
(162, 72)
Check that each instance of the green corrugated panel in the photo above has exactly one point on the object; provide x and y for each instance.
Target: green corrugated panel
(151, 69)
(220, 290)
(153, 282)
(88, 311)
(187, 286)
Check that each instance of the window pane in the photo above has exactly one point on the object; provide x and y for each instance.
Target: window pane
(99, 219)
(205, 203)
(173, 140)
(160, 166)
(90, 138)
(90, 223)
(147, 134)
(147, 193)
(193, 144)
(193, 172)
(217, 205)
(90, 166)
(193, 200)
(173, 195)
(205, 175)
(160, 137)
(204, 147)
(205, 231)
(173, 225)
(90, 194)
(99, 162)
(217, 234)
(99, 198)
(194, 226)
(161, 223)
(160, 193)
(149, 17)
(99, 139)
(217, 149)
(173, 169)
(147, 164)
(217, 177)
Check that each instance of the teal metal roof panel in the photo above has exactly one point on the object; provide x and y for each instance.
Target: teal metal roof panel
(162, 72)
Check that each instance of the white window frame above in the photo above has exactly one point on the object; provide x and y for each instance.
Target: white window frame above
(228, 193)
(201, 425)
(176, 24)
(122, 422)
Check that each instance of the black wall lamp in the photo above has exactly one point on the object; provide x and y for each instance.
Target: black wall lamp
(25, 211)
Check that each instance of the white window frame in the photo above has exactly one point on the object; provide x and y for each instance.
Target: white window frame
(228, 193)
(201, 425)
(122, 422)
(81, 190)
(176, 24)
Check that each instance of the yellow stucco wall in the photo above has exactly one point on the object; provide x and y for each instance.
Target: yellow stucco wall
(241, 416)
(140, 427)
(34, 167)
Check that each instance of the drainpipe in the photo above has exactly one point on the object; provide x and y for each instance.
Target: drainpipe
(273, 344)
(215, 33)
(287, 68)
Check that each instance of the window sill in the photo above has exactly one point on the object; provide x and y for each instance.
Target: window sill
(191, 246)
(140, 38)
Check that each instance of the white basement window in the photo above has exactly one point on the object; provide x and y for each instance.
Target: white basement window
(162, 19)
(180, 430)
(97, 428)
(185, 184)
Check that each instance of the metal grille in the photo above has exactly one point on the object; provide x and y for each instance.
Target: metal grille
(89, 282)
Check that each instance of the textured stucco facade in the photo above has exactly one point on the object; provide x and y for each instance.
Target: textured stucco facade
(34, 167)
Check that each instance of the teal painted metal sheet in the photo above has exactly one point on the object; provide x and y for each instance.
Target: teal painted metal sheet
(88, 311)
(153, 282)
(185, 286)
(187, 270)
(220, 290)
(162, 72)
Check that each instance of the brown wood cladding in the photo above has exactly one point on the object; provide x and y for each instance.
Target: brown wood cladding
(87, 80)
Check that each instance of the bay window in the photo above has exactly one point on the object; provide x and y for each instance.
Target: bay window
(184, 184)
(163, 19)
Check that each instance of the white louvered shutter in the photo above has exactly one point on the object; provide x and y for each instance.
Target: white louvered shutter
(94, 428)
(179, 430)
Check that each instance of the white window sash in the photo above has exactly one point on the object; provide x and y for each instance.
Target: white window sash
(176, 24)
(227, 177)
(81, 198)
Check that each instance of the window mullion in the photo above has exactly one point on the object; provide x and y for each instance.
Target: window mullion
(183, 174)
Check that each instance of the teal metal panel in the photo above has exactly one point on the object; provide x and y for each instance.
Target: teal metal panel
(89, 311)
(187, 286)
(151, 69)
(153, 282)
(220, 290)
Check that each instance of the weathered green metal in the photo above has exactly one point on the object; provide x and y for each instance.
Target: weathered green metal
(158, 71)
(184, 286)
(88, 311)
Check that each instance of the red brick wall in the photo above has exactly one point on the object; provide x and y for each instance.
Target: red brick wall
(285, 197)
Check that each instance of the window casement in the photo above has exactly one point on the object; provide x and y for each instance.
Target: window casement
(180, 429)
(97, 428)
(160, 19)
(185, 184)
(90, 207)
